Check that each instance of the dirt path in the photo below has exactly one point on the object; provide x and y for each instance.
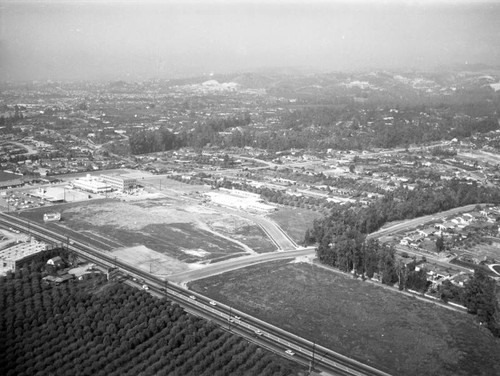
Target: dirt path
(205, 227)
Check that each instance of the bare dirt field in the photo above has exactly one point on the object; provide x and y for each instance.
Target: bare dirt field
(151, 261)
(171, 231)
(388, 330)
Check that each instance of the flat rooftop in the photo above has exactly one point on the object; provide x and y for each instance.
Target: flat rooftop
(21, 250)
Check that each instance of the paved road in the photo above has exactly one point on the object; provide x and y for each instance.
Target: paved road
(413, 223)
(241, 262)
(275, 233)
(433, 259)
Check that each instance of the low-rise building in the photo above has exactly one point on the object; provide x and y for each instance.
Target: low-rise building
(91, 184)
(12, 257)
(119, 182)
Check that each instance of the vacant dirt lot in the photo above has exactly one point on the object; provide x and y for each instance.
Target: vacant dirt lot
(151, 261)
(159, 229)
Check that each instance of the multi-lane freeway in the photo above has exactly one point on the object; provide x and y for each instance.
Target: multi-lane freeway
(285, 343)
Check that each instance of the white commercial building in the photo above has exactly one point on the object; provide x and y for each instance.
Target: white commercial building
(91, 184)
(247, 201)
(119, 182)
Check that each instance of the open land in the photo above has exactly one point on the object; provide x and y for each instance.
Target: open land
(294, 221)
(178, 230)
(390, 331)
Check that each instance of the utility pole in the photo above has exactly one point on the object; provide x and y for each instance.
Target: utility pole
(311, 365)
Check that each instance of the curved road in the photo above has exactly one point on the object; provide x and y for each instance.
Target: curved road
(278, 340)
(240, 262)
(275, 233)
(415, 222)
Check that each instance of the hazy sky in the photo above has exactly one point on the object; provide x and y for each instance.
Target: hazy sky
(73, 40)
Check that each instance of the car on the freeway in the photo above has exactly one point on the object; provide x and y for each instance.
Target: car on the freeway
(145, 287)
(258, 332)
(212, 303)
(237, 317)
(163, 289)
(290, 352)
(230, 319)
(192, 297)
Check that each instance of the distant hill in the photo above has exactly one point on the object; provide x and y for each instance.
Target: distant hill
(254, 80)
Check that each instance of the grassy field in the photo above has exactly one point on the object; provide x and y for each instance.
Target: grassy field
(383, 328)
(295, 221)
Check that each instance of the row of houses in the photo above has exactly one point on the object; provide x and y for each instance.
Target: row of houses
(451, 225)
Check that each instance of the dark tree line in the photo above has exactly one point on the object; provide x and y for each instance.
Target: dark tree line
(162, 139)
(347, 128)
(443, 152)
(407, 204)
(479, 297)
(341, 239)
(336, 127)
(403, 204)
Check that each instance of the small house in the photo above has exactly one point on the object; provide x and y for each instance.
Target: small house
(55, 262)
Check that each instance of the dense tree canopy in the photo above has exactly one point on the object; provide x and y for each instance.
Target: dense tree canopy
(162, 139)
(92, 327)
(480, 299)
